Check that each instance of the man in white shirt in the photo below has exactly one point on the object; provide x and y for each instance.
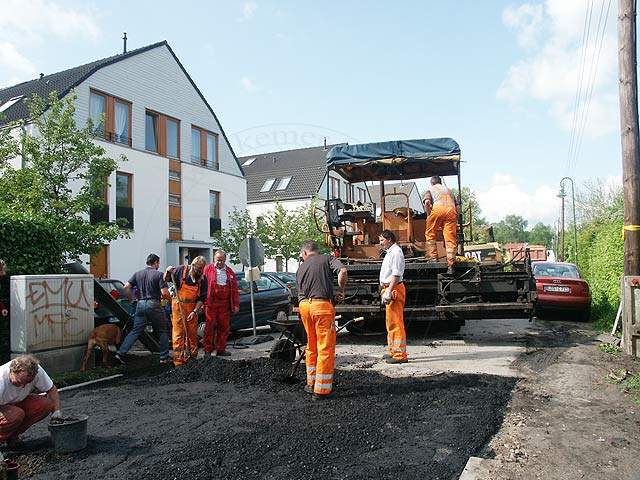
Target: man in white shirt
(19, 408)
(393, 295)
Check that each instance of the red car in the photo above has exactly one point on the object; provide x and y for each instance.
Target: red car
(560, 289)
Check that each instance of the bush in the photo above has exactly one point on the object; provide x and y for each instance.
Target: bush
(601, 261)
(30, 246)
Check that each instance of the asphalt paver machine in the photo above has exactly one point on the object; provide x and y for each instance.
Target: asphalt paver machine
(476, 290)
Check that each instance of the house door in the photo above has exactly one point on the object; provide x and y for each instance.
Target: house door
(99, 263)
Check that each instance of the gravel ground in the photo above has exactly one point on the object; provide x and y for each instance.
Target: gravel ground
(241, 419)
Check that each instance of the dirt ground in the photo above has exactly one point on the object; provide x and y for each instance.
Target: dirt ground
(524, 400)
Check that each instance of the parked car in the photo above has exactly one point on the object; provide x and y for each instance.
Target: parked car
(287, 278)
(560, 288)
(272, 298)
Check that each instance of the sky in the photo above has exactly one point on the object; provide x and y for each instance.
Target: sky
(528, 89)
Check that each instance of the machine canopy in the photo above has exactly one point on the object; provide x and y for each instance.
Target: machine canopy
(396, 160)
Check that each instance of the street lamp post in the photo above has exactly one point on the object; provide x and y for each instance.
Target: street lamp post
(575, 225)
(561, 196)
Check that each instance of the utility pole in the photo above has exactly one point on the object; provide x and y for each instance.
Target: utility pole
(561, 196)
(629, 131)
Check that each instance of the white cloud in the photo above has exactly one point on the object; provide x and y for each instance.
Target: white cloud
(35, 22)
(17, 65)
(35, 19)
(248, 9)
(506, 196)
(526, 20)
(248, 85)
(550, 69)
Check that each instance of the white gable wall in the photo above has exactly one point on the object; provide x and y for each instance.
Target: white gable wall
(154, 80)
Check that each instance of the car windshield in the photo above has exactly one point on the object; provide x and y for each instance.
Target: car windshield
(555, 270)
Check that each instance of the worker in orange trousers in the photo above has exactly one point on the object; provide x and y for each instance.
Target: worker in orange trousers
(442, 215)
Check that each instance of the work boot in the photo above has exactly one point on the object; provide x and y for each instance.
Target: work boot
(450, 270)
(386, 356)
(119, 358)
(308, 388)
(320, 397)
(223, 353)
(394, 360)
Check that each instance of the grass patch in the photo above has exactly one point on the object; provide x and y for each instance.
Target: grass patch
(73, 378)
(603, 324)
(632, 384)
(610, 349)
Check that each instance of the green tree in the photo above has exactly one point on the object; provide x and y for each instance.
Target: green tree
(229, 239)
(63, 173)
(541, 234)
(477, 232)
(512, 229)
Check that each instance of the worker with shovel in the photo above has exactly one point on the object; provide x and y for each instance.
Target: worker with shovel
(315, 282)
(189, 295)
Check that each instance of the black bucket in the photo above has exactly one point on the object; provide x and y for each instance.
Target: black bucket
(70, 434)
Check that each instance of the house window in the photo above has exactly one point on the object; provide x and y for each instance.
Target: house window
(195, 146)
(334, 187)
(162, 134)
(97, 111)
(111, 117)
(151, 132)
(212, 151)
(174, 175)
(174, 200)
(214, 212)
(175, 225)
(100, 213)
(284, 183)
(124, 200)
(268, 184)
(122, 133)
(204, 148)
(173, 138)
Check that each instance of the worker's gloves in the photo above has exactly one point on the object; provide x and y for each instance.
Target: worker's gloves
(339, 297)
(57, 415)
(172, 290)
(387, 296)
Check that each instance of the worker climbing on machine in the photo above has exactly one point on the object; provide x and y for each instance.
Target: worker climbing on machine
(315, 282)
(393, 296)
(442, 214)
(223, 299)
(190, 294)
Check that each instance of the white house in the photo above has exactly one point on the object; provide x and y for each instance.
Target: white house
(293, 178)
(182, 177)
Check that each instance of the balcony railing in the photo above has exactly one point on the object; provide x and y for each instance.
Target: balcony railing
(215, 225)
(127, 214)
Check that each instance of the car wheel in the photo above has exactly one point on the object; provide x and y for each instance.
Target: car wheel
(585, 315)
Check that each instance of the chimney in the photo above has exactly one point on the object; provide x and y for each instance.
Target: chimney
(325, 143)
(41, 75)
(124, 48)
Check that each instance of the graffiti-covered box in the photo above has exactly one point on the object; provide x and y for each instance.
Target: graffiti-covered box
(52, 317)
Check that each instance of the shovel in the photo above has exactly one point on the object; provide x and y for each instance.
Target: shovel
(296, 365)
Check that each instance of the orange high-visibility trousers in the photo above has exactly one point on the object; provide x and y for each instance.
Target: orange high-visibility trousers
(442, 217)
(178, 333)
(318, 317)
(396, 334)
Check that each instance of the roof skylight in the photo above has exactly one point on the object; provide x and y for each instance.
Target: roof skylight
(6, 105)
(249, 162)
(268, 184)
(284, 183)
